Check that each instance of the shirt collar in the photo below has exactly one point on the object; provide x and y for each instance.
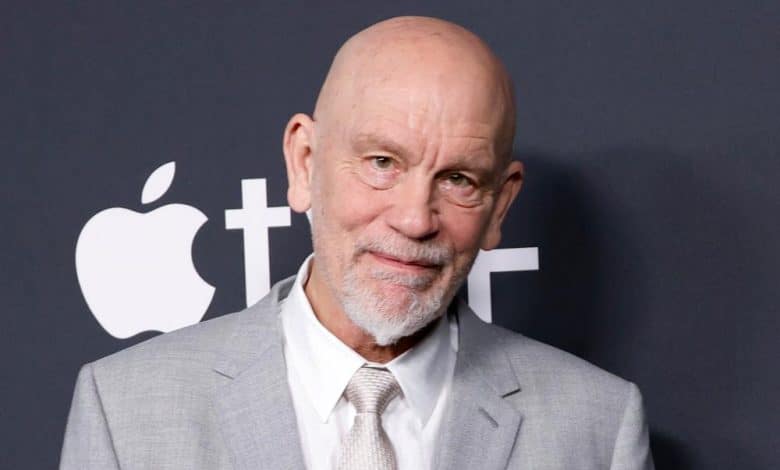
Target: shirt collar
(325, 364)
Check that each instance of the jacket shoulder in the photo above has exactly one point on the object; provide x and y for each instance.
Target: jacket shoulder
(547, 359)
(195, 343)
(190, 358)
(240, 334)
(558, 387)
(567, 400)
(536, 363)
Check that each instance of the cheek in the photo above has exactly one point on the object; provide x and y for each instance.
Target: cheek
(464, 229)
(348, 202)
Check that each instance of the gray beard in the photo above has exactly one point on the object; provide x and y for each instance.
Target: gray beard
(390, 318)
(386, 317)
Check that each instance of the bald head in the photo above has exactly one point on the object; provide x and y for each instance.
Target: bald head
(430, 63)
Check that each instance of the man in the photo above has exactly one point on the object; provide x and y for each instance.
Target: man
(364, 360)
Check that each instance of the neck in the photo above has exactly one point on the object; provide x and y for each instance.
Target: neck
(332, 317)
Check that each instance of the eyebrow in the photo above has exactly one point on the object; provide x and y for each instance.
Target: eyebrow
(367, 139)
(460, 161)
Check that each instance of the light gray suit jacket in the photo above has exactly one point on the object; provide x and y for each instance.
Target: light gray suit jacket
(215, 396)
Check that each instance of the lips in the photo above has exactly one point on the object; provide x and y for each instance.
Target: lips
(403, 263)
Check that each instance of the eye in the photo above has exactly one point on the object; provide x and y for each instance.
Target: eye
(381, 162)
(461, 189)
(458, 179)
(379, 171)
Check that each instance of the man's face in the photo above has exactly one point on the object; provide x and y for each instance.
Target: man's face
(403, 195)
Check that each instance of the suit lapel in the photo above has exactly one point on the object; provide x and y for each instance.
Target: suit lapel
(256, 416)
(480, 427)
(254, 408)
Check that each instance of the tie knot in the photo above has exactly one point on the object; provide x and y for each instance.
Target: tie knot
(371, 389)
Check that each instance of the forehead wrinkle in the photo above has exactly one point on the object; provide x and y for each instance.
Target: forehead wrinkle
(393, 134)
(418, 117)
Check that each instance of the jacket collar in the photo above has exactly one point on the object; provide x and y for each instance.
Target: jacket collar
(256, 330)
(257, 417)
(254, 409)
(480, 428)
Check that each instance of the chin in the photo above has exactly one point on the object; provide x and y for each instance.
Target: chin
(387, 333)
(392, 313)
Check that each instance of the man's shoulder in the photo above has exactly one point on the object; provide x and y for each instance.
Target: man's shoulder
(189, 355)
(593, 416)
(197, 342)
(232, 335)
(544, 367)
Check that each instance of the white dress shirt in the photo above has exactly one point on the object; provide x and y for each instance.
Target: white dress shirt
(319, 367)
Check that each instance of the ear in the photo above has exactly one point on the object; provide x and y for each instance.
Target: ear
(511, 181)
(298, 146)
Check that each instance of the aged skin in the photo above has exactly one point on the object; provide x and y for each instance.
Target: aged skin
(405, 166)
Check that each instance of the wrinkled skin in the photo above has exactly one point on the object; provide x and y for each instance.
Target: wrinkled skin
(405, 167)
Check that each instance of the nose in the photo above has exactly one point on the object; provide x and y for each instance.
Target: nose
(413, 212)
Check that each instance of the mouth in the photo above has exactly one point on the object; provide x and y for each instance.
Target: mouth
(411, 265)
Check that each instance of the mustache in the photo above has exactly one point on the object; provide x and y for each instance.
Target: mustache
(425, 253)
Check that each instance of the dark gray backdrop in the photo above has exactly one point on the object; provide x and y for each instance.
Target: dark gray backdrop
(649, 129)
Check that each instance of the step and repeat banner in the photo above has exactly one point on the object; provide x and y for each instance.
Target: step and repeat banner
(144, 190)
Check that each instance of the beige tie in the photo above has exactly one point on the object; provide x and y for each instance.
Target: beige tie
(366, 445)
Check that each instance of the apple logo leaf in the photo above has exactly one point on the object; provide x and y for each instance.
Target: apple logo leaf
(158, 182)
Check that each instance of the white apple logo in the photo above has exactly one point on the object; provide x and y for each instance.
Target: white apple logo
(136, 270)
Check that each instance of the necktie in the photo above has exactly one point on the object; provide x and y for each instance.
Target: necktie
(366, 445)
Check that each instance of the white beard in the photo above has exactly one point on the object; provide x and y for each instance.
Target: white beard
(389, 318)
(386, 316)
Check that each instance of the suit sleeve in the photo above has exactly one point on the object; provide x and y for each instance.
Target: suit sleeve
(632, 445)
(87, 443)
